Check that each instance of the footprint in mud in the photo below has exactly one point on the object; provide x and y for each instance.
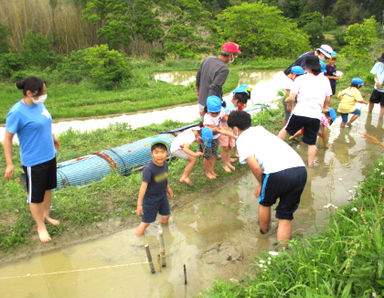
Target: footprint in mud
(221, 253)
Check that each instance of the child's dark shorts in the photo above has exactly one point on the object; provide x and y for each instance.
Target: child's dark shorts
(377, 97)
(210, 151)
(153, 205)
(287, 185)
(40, 178)
(311, 128)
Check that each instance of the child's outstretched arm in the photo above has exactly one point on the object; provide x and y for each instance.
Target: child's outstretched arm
(169, 191)
(140, 197)
(190, 152)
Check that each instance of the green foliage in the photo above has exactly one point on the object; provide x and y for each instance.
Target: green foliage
(312, 24)
(360, 38)
(329, 23)
(346, 260)
(9, 63)
(120, 22)
(37, 51)
(4, 42)
(107, 68)
(261, 30)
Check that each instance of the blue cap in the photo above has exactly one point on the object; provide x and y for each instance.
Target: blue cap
(297, 70)
(207, 136)
(243, 88)
(332, 114)
(333, 54)
(357, 81)
(213, 104)
(323, 66)
(160, 141)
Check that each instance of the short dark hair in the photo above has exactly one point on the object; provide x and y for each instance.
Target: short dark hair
(356, 85)
(240, 119)
(158, 145)
(242, 97)
(33, 84)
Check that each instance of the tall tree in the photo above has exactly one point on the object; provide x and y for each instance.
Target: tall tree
(261, 30)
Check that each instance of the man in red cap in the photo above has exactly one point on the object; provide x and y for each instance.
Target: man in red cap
(213, 72)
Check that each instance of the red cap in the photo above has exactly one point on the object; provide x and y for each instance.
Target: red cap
(230, 47)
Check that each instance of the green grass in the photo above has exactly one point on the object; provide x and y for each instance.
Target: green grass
(84, 100)
(345, 260)
(114, 197)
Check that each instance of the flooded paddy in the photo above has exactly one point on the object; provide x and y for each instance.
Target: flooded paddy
(214, 234)
(264, 82)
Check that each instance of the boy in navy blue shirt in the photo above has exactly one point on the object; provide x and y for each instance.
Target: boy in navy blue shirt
(152, 198)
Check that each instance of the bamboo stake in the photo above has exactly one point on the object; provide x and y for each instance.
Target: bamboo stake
(159, 262)
(162, 249)
(149, 258)
(185, 274)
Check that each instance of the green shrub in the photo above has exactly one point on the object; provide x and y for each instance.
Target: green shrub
(4, 43)
(108, 68)
(37, 51)
(9, 63)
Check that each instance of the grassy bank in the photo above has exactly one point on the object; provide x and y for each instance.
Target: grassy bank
(83, 100)
(345, 260)
(84, 211)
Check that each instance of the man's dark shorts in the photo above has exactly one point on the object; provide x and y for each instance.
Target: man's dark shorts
(377, 97)
(153, 205)
(40, 178)
(311, 128)
(287, 185)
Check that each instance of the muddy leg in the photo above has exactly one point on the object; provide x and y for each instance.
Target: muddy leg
(264, 218)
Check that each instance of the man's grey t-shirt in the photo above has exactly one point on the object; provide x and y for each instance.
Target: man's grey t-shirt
(211, 77)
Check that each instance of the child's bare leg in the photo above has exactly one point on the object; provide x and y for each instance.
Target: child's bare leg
(296, 134)
(370, 107)
(207, 168)
(282, 134)
(354, 117)
(141, 228)
(284, 231)
(188, 169)
(225, 158)
(264, 218)
(212, 166)
(47, 208)
(164, 219)
(324, 135)
(37, 211)
(311, 155)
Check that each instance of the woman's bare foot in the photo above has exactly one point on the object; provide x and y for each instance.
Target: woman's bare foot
(52, 221)
(231, 166)
(43, 235)
(233, 159)
(186, 181)
(227, 169)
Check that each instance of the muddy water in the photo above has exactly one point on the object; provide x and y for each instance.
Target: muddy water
(214, 234)
(267, 79)
(176, 77)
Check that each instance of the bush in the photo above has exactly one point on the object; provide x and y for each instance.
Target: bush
(9, 63)
(37, 51)
(4, 44)
(108, 68)
(73, 69)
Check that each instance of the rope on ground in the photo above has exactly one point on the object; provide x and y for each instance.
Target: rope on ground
(29, 275)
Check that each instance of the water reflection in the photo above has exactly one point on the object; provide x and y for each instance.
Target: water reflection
(176, 77)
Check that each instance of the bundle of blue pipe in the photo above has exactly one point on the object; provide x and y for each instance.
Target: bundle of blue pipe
(94, 167)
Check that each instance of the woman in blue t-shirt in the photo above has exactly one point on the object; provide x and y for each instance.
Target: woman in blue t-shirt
(32, 123)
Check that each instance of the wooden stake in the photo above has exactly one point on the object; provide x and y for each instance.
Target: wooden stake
(162, 249)
(185, 274)
(159, 262)
(149, 258)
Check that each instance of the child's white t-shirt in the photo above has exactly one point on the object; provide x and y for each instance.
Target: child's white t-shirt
(378, 70)
(311, 92)
(272, 153)
(215, 121)
(186, 137)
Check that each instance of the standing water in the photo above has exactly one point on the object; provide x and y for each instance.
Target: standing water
(214, 234)
(267, 79)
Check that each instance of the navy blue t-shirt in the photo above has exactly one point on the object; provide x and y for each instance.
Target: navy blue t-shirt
(157, 178)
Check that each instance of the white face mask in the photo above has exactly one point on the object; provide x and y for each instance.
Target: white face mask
(40, 100)
(322, 57)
